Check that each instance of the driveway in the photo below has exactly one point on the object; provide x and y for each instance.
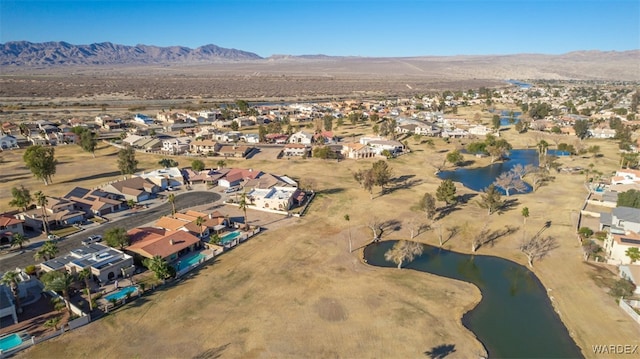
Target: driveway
(128, 220)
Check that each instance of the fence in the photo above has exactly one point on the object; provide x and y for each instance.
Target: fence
(628, 305)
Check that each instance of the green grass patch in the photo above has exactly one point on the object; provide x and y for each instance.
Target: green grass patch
(65, 231)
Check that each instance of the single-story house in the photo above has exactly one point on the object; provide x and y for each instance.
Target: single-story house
(170, 245)
(135, 188)
(95, 202)
(9, 226)
(7, 142)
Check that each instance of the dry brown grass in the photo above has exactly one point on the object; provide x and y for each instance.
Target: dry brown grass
(297, 292)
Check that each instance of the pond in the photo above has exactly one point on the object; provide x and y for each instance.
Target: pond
(514, 319)
(480, 178)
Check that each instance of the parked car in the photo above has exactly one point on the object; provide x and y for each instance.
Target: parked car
(231, 189)
(92, 239)
(53, 237)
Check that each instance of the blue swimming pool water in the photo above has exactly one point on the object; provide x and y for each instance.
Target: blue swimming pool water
(10, 342)
(229, 237)
(121, 293)
(188, 261)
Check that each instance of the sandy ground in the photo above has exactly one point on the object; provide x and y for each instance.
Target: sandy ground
(297, 292)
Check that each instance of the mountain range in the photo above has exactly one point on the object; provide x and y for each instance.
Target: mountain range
(23, 56)
(23, 53)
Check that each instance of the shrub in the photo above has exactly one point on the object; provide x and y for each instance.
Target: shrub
(601, 235)
(30, 270)
(585, 232)
(622, 288)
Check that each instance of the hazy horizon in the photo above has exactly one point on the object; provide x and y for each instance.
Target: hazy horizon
(352, 28)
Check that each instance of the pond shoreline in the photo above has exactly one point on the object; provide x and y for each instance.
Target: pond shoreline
(566, 345)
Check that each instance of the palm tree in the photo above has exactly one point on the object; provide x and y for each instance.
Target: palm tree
(58, 282)
(633, 253)
(243, 204)
(158, 266)
(348, 219)
(48, 251)
(525, 215)
(215, 238)
(19, 240)
(542, 148)
(199, 222)
(41, 200)
(131, 203)
(172, 199)
(85, 275)
(11, 279)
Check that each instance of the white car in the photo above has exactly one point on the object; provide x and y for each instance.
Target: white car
(92, 239)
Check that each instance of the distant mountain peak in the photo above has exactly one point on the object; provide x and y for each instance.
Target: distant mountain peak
(24, 53)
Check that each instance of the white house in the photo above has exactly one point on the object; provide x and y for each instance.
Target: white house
(143, 119)
(163, 177)
(301, 137)
(295, 150)
(481, 130)
(175, 145)
(602, 132)
(616, 246)
(626, 176)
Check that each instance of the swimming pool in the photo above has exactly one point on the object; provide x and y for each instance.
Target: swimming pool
(121, 293)
(229, 237)
(187, 262)
(10, 341)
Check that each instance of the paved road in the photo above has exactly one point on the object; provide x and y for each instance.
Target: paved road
(128, 221)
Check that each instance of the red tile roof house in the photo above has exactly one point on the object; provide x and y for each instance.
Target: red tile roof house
(171, 245)
(236, 176)
(9, 226)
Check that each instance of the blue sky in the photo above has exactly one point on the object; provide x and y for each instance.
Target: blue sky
(333, 27)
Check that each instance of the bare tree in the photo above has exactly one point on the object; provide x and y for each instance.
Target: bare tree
(537, 247)
(404, 251)
(415, 225)
(375, 225)
(480, 237)
(508, 181)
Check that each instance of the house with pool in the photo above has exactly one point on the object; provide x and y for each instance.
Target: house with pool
(104, 263)
(148, 242)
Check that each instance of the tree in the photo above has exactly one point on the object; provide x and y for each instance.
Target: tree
(197, 165)
(495, 122)
(41, 200)
(542, 147)
(85, 275)
(168, 162)
(11, 280)
(508, 181)
(381, 173)
(622, 288)
(199, 223)
(348, 219)
(324, 152)
(404, 251)
(594, 150)
(172, 199)
(446, 192)
(221, 164)
(88, 142)
(328, 122)
(215, 238)
(234, 126)
(375, 225)
(21, 198)
(131, 203)
(633, 253)
(537, 247)
(262, 134)
(455, 157)
(243, 204)
(48, 251)
(58, 282)
(630, 198)
(525, 215)
(41, 161)
(127, 163)
(19, 240)
(427, 204)
(116, 237)
(52, 323)
(158, 266)
(521, 126)
(582, 128)
(491, 199)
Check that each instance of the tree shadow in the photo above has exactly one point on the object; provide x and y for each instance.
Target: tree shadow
(465, 198)
(490, 237)
(92, 177)
(466, 163)
(330, 191)
(403, 185)
(441, 351)
(212, 353)
(446, 210)
(508, 205)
